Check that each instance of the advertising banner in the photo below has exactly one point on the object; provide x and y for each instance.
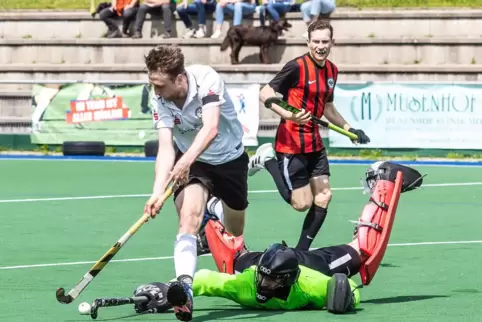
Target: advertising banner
(116, 114)
(427, 116)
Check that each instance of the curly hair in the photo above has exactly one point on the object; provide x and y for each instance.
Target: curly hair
(166, 59)
(320, 25)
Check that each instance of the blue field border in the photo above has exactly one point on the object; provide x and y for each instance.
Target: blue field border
(151, 159)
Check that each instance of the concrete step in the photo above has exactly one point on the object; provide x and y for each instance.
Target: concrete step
(19, 76)
(347, 24)
(436, 51)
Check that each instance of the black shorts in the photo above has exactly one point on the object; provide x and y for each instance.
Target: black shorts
(327, 260)
(298, 169)
(227, 181)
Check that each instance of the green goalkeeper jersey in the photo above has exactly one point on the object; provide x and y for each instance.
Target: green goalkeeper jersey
(309, 292)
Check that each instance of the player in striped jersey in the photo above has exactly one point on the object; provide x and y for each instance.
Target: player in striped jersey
(299, 163)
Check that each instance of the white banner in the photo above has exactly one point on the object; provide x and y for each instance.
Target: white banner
(246, 103)
(412, 116)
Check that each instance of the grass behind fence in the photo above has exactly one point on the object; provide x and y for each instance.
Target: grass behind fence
(85, 4)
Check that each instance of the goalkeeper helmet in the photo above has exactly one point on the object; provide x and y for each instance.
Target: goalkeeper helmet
(276, 271)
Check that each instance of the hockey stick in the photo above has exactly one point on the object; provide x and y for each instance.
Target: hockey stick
(286, 106)
(101, 263)
(115, 301)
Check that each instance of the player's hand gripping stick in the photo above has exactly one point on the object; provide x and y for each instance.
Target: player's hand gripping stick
(278, 101)
(105, 259)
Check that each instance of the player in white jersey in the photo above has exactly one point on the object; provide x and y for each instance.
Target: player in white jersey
(193, 112)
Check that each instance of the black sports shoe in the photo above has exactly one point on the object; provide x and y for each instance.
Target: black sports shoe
(179, 296)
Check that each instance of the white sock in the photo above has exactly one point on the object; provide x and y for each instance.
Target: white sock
(185, 255)
(215, 207)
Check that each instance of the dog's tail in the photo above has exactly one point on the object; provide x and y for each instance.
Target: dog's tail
(225, 43)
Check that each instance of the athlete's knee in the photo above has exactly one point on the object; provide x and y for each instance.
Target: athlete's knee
(323, 198)
(302, 199)
(302, 206)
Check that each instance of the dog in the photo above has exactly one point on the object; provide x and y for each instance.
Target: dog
(264, 37)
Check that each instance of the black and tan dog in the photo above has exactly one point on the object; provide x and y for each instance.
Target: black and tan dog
(264, 37)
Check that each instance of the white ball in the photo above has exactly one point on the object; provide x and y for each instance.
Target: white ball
(84, 308)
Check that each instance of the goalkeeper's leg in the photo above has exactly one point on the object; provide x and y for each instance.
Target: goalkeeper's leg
(225, 248)
(375, 225)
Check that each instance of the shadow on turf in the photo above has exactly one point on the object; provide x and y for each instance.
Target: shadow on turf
(233, 313)
(402, 299)
(213, 314)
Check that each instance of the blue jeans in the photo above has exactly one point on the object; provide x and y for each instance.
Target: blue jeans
(274, 10)
(316, 7)
(237, 10)
(195, 8)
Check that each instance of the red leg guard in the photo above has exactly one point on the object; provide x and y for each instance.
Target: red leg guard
(223, 246)
(375, 225)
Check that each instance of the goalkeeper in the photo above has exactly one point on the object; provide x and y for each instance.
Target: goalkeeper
(289, 278)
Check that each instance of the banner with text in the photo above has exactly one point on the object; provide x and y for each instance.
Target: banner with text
(116, 114)
(427, 116)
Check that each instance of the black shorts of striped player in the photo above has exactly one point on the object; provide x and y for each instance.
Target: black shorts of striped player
(278, 101)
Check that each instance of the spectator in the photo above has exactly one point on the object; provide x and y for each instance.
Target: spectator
(126, 9)
(236, 8)
(155, 7)
(199, 7)
(314, 9)
(274, 8)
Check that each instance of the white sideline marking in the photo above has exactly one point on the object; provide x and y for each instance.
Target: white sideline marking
(455, 184)
(171, 257)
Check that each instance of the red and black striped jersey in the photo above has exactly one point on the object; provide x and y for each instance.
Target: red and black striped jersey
(305, 85)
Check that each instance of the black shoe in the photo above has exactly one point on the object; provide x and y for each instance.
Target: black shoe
(179, 296)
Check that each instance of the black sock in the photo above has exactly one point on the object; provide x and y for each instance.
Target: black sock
(272, 167)
(313, 221)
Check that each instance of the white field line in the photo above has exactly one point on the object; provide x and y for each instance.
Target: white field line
(171, 257)
(455, 184)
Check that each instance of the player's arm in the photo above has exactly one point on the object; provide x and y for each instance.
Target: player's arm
(164, 123)
(211, 92)
(285, 79)
(215, 284)
(332, 114)
(334, 117)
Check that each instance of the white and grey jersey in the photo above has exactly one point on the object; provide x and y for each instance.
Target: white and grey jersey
(206, 89)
